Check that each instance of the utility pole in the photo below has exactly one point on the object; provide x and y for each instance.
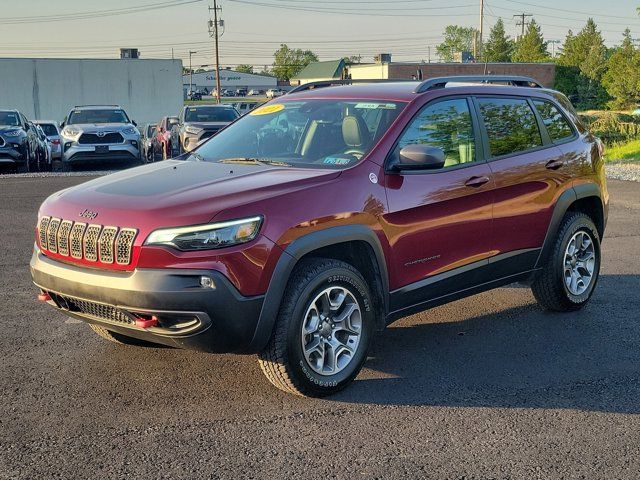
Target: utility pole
(191, 52)
(214, 29)
(553, 47)
(522, 22)
(479, 43)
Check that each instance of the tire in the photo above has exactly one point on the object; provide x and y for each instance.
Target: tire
(284, 362)
(118, 338)
(66, 166)
(556, 288)
(23, 167)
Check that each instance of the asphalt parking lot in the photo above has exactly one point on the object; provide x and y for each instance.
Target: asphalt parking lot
(486, 387)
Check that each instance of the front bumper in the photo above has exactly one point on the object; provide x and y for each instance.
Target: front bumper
(191, 140)
(11, 154)
(213, 319)
(75, 153)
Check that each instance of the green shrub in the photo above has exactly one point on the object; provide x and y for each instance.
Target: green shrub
(613, 127)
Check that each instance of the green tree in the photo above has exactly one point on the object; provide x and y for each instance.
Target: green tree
(586, 55)
(531, 47)
(622, 78)
(499, 47)
(456, 39)
(244, 68)
(289, 61)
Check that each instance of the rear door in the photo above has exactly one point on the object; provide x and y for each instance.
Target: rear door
(440, 221)
(529, 176)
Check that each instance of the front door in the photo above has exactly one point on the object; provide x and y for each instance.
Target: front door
(440, 221)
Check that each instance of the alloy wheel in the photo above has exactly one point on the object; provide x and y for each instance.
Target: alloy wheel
(579, 263)
(331, 330)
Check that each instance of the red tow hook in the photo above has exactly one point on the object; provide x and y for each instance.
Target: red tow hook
(44, 297)
(142, 322)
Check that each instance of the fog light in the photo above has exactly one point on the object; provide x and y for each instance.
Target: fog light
(207, 282)
(134, 143)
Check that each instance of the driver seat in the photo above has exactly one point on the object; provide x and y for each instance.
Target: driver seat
(356, 135)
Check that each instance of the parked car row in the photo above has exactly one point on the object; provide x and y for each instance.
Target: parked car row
(105, 133)
(173, 136)
(24, 145)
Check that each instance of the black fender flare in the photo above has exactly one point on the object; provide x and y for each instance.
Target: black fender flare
(292, 255)
(564, 202)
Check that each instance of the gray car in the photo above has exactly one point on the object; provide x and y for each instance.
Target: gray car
(199, 122)
(51, 130)
(93, 133)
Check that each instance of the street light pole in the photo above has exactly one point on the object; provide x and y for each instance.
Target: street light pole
(191, 71)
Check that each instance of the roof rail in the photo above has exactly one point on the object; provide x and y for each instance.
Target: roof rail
(98, 105)
(332, 83)
(441, 82)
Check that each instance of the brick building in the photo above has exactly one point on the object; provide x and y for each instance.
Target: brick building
(542, 72)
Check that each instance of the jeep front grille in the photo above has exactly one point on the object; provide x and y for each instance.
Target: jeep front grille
(89, 242)
(94, 139)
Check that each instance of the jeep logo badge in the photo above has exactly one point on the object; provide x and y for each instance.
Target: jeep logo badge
(88, 214)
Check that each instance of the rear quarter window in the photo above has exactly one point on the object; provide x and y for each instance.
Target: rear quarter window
(511, 125)
(557, 125)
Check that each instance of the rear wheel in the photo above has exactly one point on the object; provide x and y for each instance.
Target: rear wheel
(323, 330)
(571, 271)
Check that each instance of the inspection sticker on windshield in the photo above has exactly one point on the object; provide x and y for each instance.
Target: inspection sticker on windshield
(267, 109)
(387, 106)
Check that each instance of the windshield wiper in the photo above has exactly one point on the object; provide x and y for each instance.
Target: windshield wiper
(254, 161)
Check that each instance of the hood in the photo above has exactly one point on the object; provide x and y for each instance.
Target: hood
(97, 127)
(207, 125)
(8, 128)
(176, 193)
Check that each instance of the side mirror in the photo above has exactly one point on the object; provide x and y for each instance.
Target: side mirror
(420, 157)
(133, 122)
(61, 125)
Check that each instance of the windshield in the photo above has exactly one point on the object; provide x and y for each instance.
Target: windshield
(310, 133)
(9, 118)
(149, 130)
(99, 115)
(210, 114)
(49, 129)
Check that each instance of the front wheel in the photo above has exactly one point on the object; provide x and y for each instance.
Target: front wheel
(323, 330)
(570, 273)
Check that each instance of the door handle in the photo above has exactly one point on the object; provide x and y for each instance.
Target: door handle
(476, 181)
(554, 164)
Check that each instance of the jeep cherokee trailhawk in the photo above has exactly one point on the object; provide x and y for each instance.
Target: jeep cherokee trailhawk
(316, 220)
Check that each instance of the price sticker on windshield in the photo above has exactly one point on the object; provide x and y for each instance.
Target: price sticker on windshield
(268, 109)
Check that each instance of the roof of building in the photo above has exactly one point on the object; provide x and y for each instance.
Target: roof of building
(328, 69)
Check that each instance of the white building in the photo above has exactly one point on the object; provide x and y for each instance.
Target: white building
(229, 79)
(50, 87)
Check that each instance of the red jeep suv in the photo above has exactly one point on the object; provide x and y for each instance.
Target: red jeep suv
(316, 220)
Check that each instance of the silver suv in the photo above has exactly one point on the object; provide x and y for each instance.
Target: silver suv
(94, 133)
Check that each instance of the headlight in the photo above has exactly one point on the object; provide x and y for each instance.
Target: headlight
(12, 133)
(192, 130)
(207, 237)
(71, 132)
(130, 131)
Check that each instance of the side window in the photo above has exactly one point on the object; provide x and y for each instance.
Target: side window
(557, 126)
(446, 125)
(511, 125)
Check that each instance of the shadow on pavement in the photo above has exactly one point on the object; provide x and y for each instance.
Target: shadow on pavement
(521, 357)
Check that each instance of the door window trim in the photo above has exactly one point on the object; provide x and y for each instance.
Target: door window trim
(544, 135)
(574, 132)
(477, 138)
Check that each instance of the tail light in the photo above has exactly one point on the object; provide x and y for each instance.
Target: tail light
(55, 141)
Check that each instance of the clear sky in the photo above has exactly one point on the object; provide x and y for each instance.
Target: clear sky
(255, 28)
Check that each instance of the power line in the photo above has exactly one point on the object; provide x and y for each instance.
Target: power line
(95, 13)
